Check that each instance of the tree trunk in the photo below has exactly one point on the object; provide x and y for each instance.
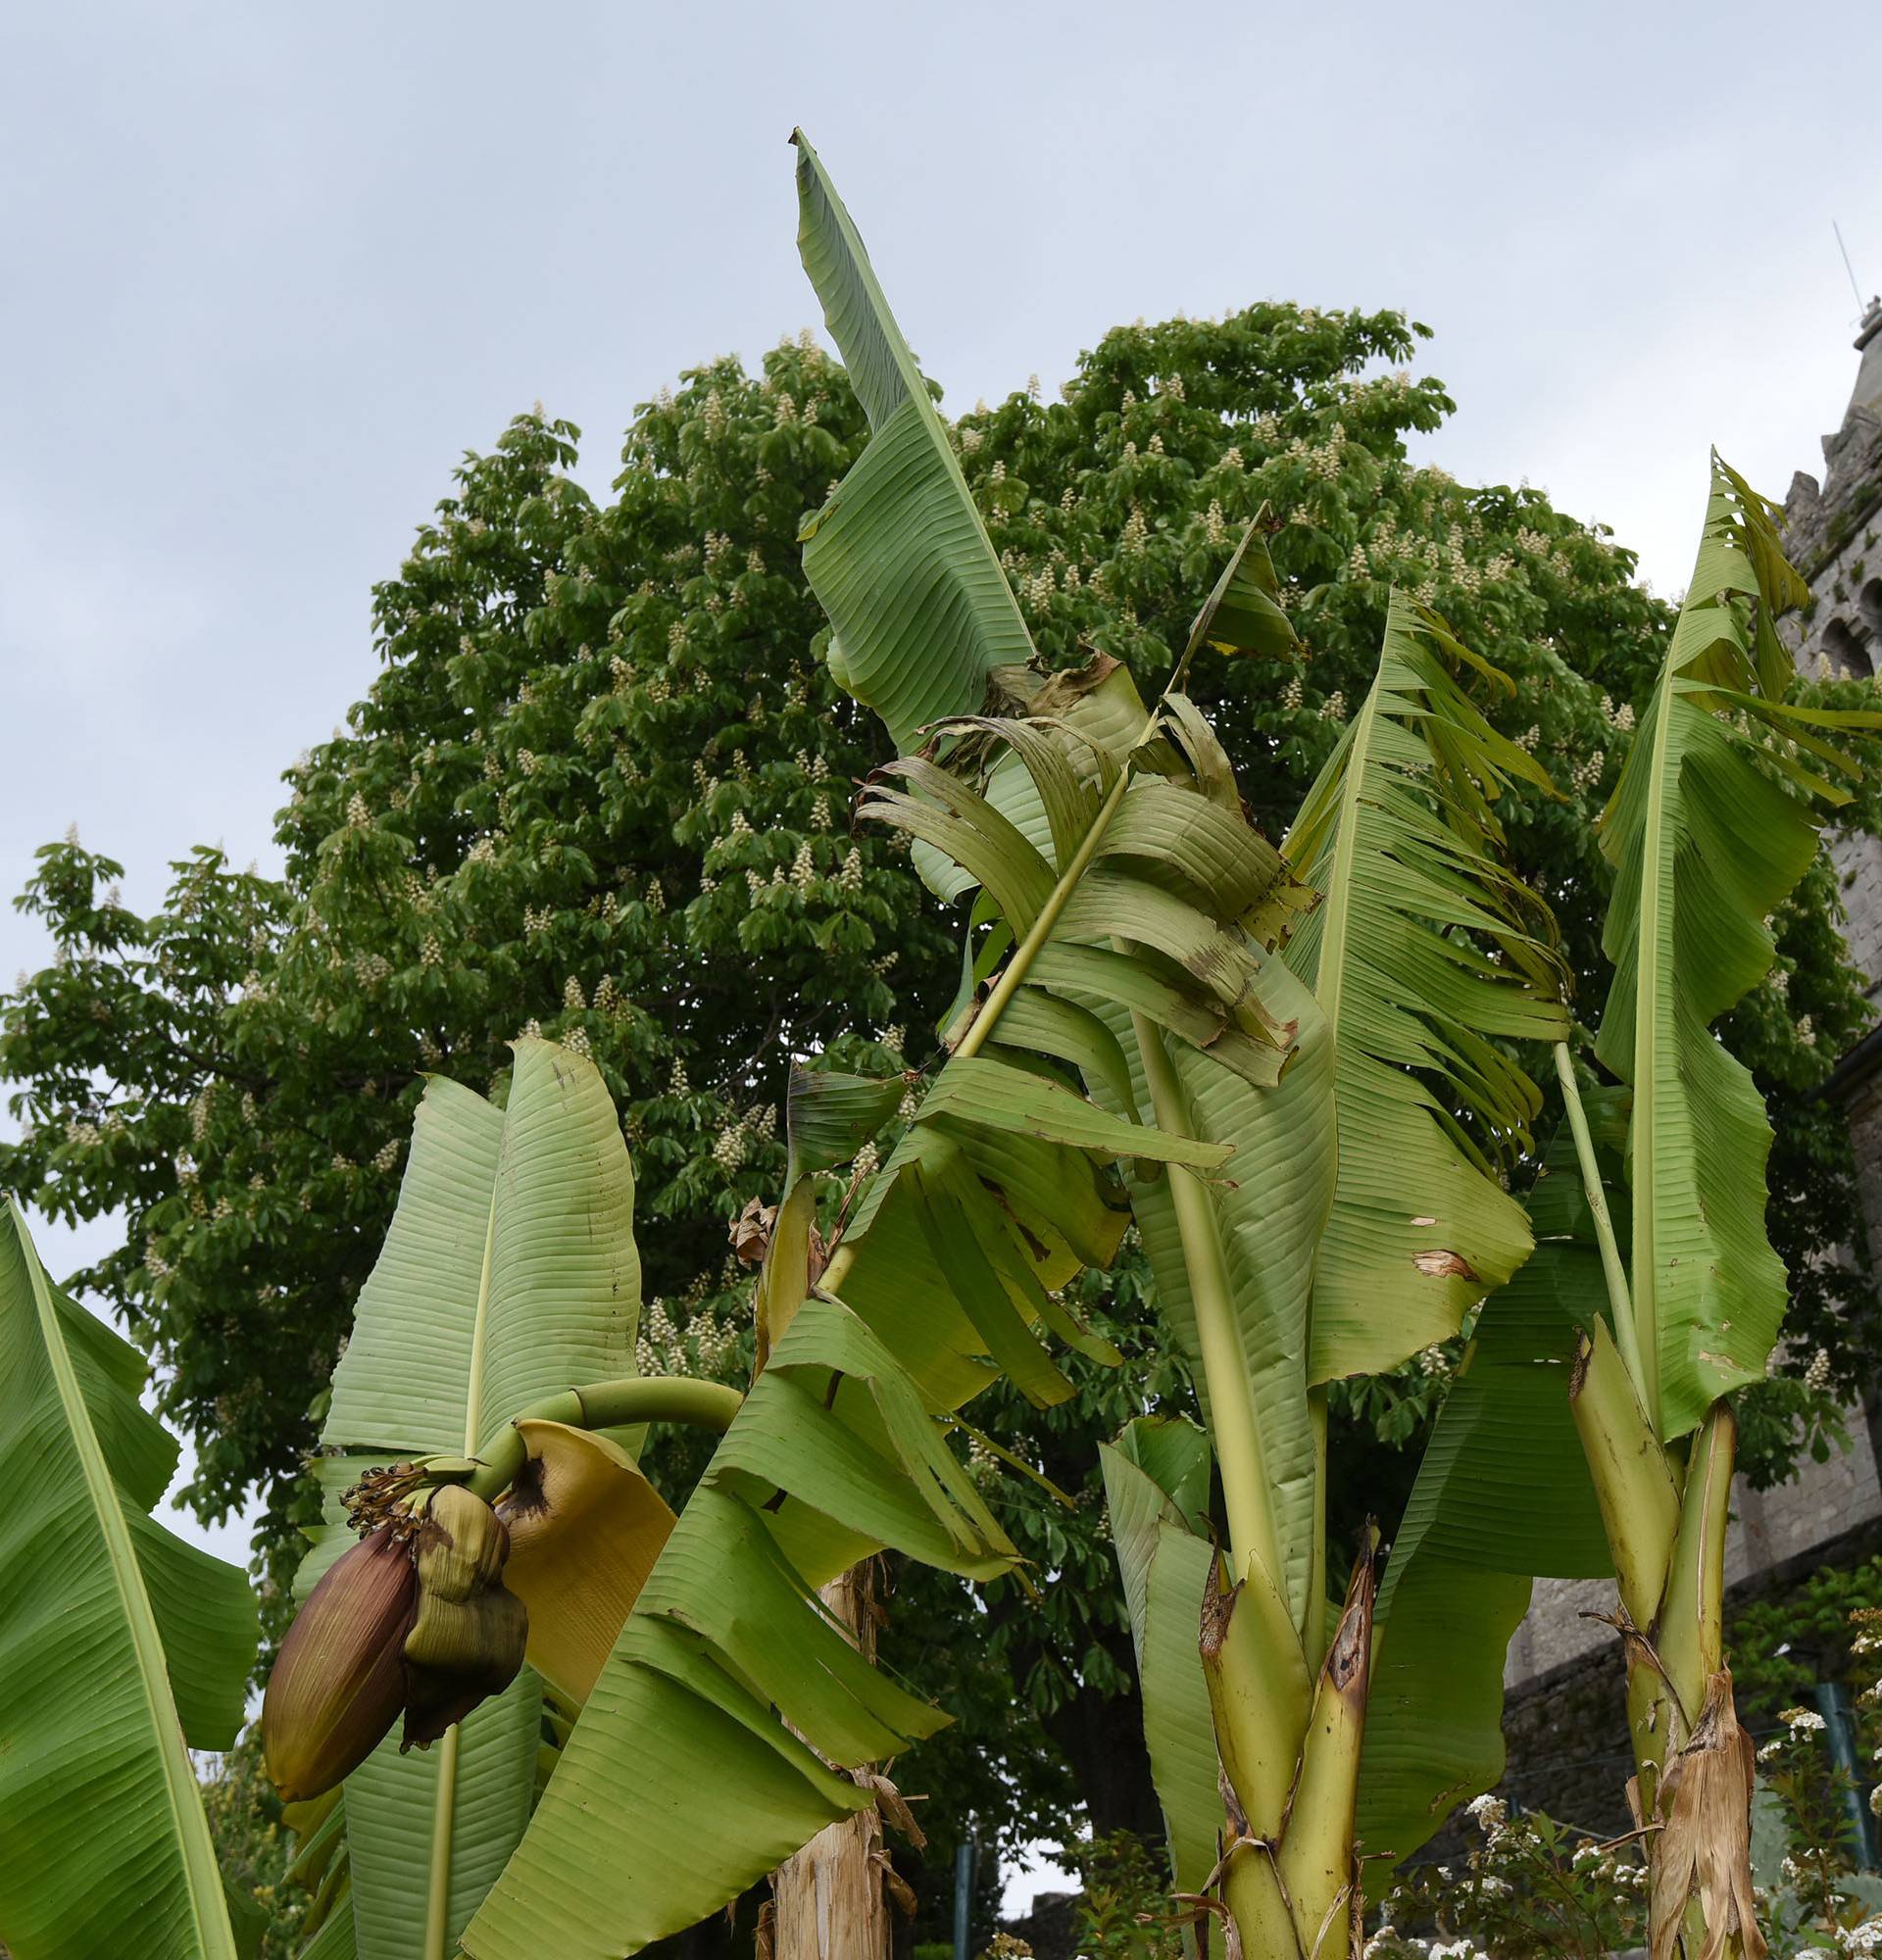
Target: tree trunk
(1102, 1736)
(828, 1902)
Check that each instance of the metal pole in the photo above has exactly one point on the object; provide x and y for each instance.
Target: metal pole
(966, 1856)
(1839, 1727)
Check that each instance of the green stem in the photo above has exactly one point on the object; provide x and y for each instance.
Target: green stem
(1634, 1484)
(1614, 1268)
(608, 1406)
(1013, 974)
(1692, 1616)
(444, 1808)
(1225, 1371)
(437, 1902)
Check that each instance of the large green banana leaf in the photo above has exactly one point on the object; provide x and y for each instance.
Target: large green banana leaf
(1427, 953)
(1502, 1496)
(121, 1649)
(509, 1272)
(921, 613)
(1709, 831)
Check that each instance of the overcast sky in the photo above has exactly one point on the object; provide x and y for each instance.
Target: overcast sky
(271, 270)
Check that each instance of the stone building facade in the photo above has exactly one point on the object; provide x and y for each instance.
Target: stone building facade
(1563, 1677)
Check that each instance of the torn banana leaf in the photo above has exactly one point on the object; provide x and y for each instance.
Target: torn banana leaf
(1709, 831)
(1157, 1492)
(1427, 957)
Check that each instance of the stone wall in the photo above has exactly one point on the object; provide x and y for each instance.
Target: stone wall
(1565, 1723)
(1864, 1106)
(1833, 534)
(1770, 1529)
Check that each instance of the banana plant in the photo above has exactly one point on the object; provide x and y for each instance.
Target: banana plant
(1300, 1264)
(491, 1358)
(125, 1648)
(1126, 883)
(1426, 958)
(1709, 831)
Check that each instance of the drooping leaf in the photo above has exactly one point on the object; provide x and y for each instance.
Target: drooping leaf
(1426, 955)
(1156, 1487)
(119, 1645)
(1244, 614)
(704, 1753)
(1709, 831)
(831, 1115)
(1502, 1496)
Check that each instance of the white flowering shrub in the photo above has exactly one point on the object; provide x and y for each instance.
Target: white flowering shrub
(1527, 1887)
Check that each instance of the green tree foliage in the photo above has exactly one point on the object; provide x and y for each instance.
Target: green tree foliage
(601, 789)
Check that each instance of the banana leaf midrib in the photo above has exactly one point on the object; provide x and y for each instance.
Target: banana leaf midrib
(1646, 994)
(451, 1749)
(1331, 977)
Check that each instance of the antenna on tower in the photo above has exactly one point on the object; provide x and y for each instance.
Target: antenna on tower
(1847, 267)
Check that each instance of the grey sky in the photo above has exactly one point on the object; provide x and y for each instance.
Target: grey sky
(271, 270)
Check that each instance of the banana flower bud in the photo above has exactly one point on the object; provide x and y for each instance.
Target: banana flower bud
(340, 1680)
(415, 1617)
(468, 1638)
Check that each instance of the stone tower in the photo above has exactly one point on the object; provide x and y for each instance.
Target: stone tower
(1831, 534)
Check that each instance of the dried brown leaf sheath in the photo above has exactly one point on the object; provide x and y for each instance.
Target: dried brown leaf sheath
(1703, 1850)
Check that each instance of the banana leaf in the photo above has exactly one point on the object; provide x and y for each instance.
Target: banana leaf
(921, 613)
(1157, 1492)
(1427, 957)
(124, 1649)
(1709, 830)
(509, 1272)
(1502, 1496)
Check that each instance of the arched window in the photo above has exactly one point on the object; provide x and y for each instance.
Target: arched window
(1846, 649)
(1869, 605)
